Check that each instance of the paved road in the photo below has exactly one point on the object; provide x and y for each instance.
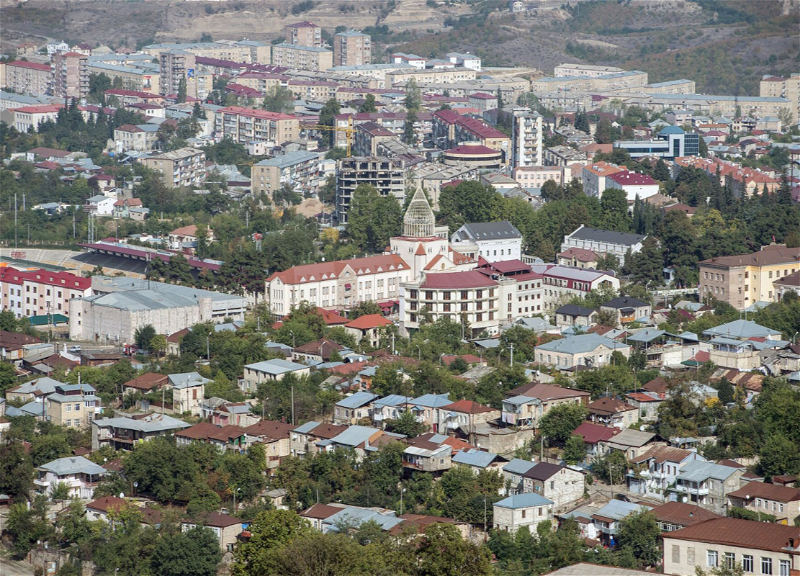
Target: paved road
(9, 568)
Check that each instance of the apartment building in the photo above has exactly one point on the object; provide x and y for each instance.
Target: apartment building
(368, 136)
(140, 76)
(314, 90)
(139, 138)
(384, 174)
(183, 167)
(298, 169)
(29, 117)
(603, 241)
(35, 292)
(245, 51)
(340, 284)
(73, 406)
(670, 143)
(351, 48)
(70, 75)
(303, 34)
(526, 138)
(471, 296)
(759, 547)
(176, 66)
(748, 278)
(584, 70)
(450, 129)
(536, 176)
(560, 283)
(250, 125)
(778, 87)
(444, 75)
(27, 77)
(302, 57)
(594, 177)
(782, 502)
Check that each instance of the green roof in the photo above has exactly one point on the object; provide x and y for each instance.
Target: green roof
(48, 319)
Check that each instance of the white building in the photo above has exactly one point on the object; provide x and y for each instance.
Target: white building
(493, 241)
(526, 138)
(522, 511)
(560, 283)
(465, 59)
(594, 177)
(101, 205)
(604, 241)
(270, 370)
(76, 472)
(634, 184)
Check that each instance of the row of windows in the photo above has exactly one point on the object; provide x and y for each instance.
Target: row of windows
(712, 561)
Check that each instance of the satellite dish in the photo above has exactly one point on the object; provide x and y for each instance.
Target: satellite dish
(642, 427)
(122, 494)
(685, 499)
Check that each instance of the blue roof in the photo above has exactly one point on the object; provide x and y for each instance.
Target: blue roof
(672, 130)
(617, 509)
(276, 366)
(73, 465)
(432, 400)
(358, 516)
(518, 466)
(581, 343)
(392, 400)
(306, 428)
(33, 408)
(357, 400)
(741, 329)
(354, 435)
(476, 458)
(187, 380)
(526, 500)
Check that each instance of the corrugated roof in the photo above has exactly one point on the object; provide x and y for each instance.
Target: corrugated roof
(740, 533)
(276, 366)
(475, 458)
(518, 466)
(73, 465)
(609, 236)
(580, 344)
(527, 500)
(357, 400)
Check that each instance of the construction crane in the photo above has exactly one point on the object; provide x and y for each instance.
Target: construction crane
(348, 130)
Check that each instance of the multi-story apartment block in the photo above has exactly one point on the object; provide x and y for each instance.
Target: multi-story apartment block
(250, 125)
(177, 66)
(73, 406)
(29, 117)
(140, 138)
(302, 57)
(184, 167)
(28, 77)
(341, 284)
(450, 129)
(246, 51)
(303, 34)
(35, 292)
(536, 176)
(777, 87)
(560, 283)
(70, 75)
(367, 137)
(603, 241)
(351, 48)
(298, 169)
(526, 138)
(746, 279)
(584, 71)
(384, 174)
(594, 177)
(315, 90)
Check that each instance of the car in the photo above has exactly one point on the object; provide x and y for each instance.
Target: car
(75, 348)
(622, 497)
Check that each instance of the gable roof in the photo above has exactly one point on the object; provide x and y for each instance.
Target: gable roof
(741, 329)
(774, 492)
(607, 236)
(594, 433)
(475, 458)
(543, 471)
(634, 438)
(272, 429)
(72, 465)
(468, 407)
(526, 500)
(579, 344)
(741, 533)
(357, 400)
(146, 381)
(625, 302)
(664, 454)
(518, 466)
(682, 514)
(368, 321)
(328, 270)
(608, 406)
(575, 310)
(546, 392)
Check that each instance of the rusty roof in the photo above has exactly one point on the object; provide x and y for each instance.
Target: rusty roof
(738, 532)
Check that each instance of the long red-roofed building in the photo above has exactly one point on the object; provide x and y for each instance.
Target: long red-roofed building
(36, 292)
(248, 124)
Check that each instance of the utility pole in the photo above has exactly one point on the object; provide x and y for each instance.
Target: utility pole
(512, 354)
(292, 404)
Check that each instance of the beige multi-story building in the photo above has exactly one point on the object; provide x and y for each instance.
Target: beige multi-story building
(536, 176)
(783, 502)
(250, 125)
(431, 75)
(184, 167)
(303, 34)
(778, 87)
(177, 66)
(140, 138)
(633, 81)
(384, 174)
(247, 51)
(314, 58)
(70, 75)
(351, 48)
(584, 70)
(746, 279)
(133, 77)
(27, 77)
(297, 169)
(341, 284)
(759, 547)
(29, 117)
(73, 406)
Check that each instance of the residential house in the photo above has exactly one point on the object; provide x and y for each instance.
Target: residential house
(759, 547)
(147, 382)
(188, 237)
(76, 472)
(647, 403)
(103, 508)
(673, 516)
(317, 351)
(188, 391)
(521, 511)
(360, 439)
(526, 404)
(632, 443)
(661, 466)
(708, 484)
(572, 352)
(595, 439)
(428, 456)
(226, 528)
(627, 309)
(276, 437)
(354, 408)
(304, 438)
(464, 413)
(607, 519)
(613, 412)
(130, 208)
(561, 283)
(783, 502)
(270, 370)
(493, 241)
(234, 413)
(603, 242)
(561, 484)
(574, 315)
(124, 432)
(34, 389)
(512, 474)
(367, 328)
(577, 258)
(389, 408)
(73, 406)
(426, 409)
(221, 437)
(478, 460)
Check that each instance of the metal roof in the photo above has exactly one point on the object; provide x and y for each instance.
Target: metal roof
(608, 236)
(72, 465)
(617, 509)
(306, 428)
(187, 380)
(518, 466)
(476, 458)
(154, 423)
(741, 329)
(392, 400)
(276, 366)
(527, 500)
(580, 344)
(699, 471)
(356, 400)
(354, 435)
(432, 400)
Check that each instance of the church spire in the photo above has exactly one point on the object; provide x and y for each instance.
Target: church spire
(419, 221)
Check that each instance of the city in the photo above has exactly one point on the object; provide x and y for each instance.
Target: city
(386, 299)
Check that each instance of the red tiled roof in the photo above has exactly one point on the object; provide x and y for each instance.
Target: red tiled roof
(106, 503)
(682, 514)
(271, 429)
(626, 178)
(546, 392)
(774, 492)
(741, 533)
(327, 270)
(594, 433)
(146, 381)
(30, 65)
(332, 318)
(608, 406)
(457, 280)
(468, 407)
(581, 254)
(320, 511)
(368, 321)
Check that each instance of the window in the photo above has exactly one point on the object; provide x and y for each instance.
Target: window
(730, 559)
(69, 407)
(784, 568)
(747, 563)
(78, 407)
(766, 566)
(676, 554)
(523, 513)
(712, 559)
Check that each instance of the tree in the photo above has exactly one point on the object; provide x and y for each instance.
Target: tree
(364, 308)
(372, 219)
(143, 336)
(407, 424)
(574, 450)
(647, 265)
(443, 552)
(409, 132)
(639, 533)
(557, 425)
(413, 100)
(614, 204)
(280, 100)
(269, 531)
(369, 105)
(612, 467)
(195, 552)
(181, 90)
(327, 117)
(158, 345)
(8, 377)
(16, 471)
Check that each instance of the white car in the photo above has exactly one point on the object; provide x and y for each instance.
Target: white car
(75, 348)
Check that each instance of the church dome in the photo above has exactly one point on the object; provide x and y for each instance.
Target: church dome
(419, 221)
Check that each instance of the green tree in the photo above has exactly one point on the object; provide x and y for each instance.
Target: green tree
(195, 552)
(8, 377)
(269, 531)
(409, 132)
(181, 90)
(647, 265)
(280, 100)
(372, 219)
(327, 117)
(639, 533)
(369, 105)
(158, 345)
(364, 308)
(16, 471)
(143, 336)
(574, 450)
(443, 552)
(558, 424)
(413, 100)
(614, 205)
(407, 424)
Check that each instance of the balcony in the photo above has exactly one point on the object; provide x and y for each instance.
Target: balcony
(699, 491)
